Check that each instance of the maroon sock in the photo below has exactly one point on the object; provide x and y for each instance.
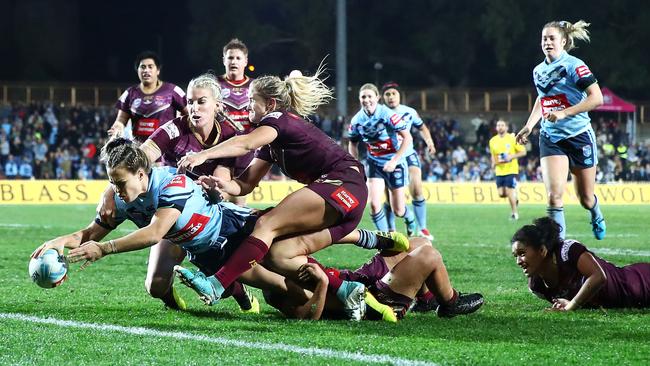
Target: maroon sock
(426, 297)
(334, 281)
(452, 300)
(250, 252)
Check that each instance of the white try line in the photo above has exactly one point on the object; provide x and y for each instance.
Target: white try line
(599, 251)
(318, 352)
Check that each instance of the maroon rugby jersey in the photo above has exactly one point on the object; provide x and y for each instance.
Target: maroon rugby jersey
(302, 150)
(627, 286)
(235, 100)
(175, 139)
(150, 111)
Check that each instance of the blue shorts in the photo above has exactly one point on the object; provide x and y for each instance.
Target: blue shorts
(236, 225)
(581, 149)
(413, 160)
(398, 178)
(508, 181)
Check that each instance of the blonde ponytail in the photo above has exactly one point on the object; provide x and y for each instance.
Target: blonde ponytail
(571, 32)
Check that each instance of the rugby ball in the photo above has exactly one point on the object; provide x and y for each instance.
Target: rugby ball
(49, 270)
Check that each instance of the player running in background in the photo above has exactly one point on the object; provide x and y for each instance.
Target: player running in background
(505, 151)
(149, 104)
(327, 209)
(569, 276)
(566, 90)
(234, 91)
(394, 279)
(172, 141)
(391, 94)
(388, 140)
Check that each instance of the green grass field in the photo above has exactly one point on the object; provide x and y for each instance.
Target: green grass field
(103, 316)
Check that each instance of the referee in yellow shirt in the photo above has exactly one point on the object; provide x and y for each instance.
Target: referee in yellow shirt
(505, 151)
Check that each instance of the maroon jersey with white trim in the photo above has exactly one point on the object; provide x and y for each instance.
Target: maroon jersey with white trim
(150, 111)
(175, 139)
(627, 286)
(235, 100)
(302, 150)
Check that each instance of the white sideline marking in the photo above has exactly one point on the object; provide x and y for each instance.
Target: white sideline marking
(319, 352)
(11, 225)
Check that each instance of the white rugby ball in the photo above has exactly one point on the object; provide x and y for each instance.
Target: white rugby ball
(49, 270)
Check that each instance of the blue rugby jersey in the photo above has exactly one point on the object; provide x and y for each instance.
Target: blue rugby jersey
(561, 84)
(412, 118)
(200, 222)
(379, 132)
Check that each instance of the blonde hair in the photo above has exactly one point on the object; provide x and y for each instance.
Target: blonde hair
(369, 86)
(571, 32)
(302, 94)
(206, 81)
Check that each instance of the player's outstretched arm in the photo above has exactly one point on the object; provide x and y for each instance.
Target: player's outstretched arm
(145, 237)
(73, 240)
(313, 308)
(117, 129)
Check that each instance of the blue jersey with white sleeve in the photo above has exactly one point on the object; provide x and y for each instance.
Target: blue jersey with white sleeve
(379, 132)
(562, 84)
(199, 225)
(412, 118)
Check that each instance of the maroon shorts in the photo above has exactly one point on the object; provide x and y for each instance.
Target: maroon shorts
(241, 163)
(400, 303)
(344, 189)
(372, 271)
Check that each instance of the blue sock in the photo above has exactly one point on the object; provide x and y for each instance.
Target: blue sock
(409, 220)
(420, 208)
(390, 216)
(379, 219)
(595, 211)
(367, 239)
(557, 214)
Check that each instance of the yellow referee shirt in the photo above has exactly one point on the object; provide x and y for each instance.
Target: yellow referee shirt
(506, 145)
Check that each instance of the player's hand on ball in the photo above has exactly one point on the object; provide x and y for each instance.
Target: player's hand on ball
(47, 245)
(89, 251)
(522, 136)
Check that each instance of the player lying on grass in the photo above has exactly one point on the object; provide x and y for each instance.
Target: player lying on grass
(569, 276)
(394, 279)
(174, 208)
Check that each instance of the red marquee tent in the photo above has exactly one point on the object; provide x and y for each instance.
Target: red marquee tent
(614, 103)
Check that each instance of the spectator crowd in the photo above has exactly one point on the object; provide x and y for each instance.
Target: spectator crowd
(45, 141)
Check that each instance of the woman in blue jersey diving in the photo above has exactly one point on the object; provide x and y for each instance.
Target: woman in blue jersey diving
(567, 90)
(172, 207)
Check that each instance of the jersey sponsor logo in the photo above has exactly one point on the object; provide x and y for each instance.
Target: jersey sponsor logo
(194, 227)
(225, 93)
(177, 181)
(136, 103)
(395, 119)
(380, 148)
(554, 103)
(146, 126)
(587, 151)
(345, 199)
(172, 130)
(583, 71)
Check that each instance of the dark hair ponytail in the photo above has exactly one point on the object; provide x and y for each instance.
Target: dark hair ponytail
(544, 232)
(124, 153)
